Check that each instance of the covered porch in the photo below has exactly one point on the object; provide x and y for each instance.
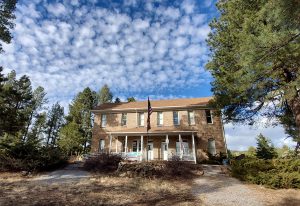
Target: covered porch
(155, 145)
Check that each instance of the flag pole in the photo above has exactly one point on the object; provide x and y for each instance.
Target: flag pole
(148, 126)
(147, 145)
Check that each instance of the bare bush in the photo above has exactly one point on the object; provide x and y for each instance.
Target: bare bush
(103, 162)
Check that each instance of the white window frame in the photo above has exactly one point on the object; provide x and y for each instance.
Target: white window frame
(158, 119)
(101, 145)
(211, 116)
(178, 120)
(141, 122)
(138, 145)
(211, 146)
(185, 147)
(189, 117)
(103, 120)
(122, 123)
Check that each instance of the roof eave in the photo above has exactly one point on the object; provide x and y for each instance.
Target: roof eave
(153, 108)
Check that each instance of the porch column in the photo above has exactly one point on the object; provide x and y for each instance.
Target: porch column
(142, 147)
(194, 149)
(110, 139)
(180, 147)
(125, 144)
(167, 144)
(117, 144)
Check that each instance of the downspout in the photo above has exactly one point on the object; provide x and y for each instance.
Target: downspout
(224, 139)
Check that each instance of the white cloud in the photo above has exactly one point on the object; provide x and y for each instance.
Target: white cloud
(240, 137)
(57, 9)
(160, 49)
(188, 6)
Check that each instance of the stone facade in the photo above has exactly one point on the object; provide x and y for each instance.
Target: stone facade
(202, 131)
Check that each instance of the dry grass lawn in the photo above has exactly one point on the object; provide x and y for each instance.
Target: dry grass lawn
(98, 190)
(110, 190)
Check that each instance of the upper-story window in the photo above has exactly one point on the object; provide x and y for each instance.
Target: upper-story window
(141, 119)
(124, 119)
(191, 116)
(103, 120)
(175, 118)
(209, 118)
(159, 118)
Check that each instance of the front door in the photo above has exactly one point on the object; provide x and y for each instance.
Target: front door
(164, 151)
(150, 151)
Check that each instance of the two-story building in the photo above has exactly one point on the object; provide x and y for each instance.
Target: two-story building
(185, 128)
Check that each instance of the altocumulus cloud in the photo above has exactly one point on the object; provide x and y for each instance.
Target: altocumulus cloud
(133, 46)
(138, 48)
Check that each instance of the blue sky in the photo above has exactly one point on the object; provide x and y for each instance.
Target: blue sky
(139, 48)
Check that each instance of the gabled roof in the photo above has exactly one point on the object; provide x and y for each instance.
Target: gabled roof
(142, 105)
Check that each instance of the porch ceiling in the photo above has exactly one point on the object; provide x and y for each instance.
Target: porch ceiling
(154, 131)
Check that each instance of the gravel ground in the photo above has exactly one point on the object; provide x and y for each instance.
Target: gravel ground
(217, 188)
(71, 173)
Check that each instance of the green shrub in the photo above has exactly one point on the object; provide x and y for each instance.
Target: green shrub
(276, 173)
(24, 156)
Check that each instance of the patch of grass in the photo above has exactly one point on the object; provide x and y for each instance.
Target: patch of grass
(98, 190)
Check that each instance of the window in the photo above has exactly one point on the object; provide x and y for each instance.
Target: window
(136, 146)
(101, 145)
(211, 146)
(124, 119)
(141, 119)
(103, 120)
(159, 118)
(191, 117)
(175, 118)
(184, 147)
(208, 114)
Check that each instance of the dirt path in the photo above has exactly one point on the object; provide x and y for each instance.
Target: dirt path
(71, 173)
(217, 188)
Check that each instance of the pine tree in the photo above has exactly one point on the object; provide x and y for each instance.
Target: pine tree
(7, 16)
(15, 101)
(36, 105)
(36, 134)
(265, 150)
(255, 59)
(105, 95)
(80, 118)
(54, 122)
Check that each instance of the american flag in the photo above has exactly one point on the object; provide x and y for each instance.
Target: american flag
(149, 113)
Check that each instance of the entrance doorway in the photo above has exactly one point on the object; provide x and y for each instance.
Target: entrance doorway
(164, 151)
(150, 150)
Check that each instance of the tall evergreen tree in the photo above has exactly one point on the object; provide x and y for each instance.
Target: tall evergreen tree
(265, 150)
(36, 105)
(7, 8)
(71, 140)
(255, 59)
(55, 120)
(80, 117)
(105, 95)
(38, 128)
(16, 100)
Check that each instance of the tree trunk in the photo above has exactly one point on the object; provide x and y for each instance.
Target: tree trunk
(295, 107)
(27, 128)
